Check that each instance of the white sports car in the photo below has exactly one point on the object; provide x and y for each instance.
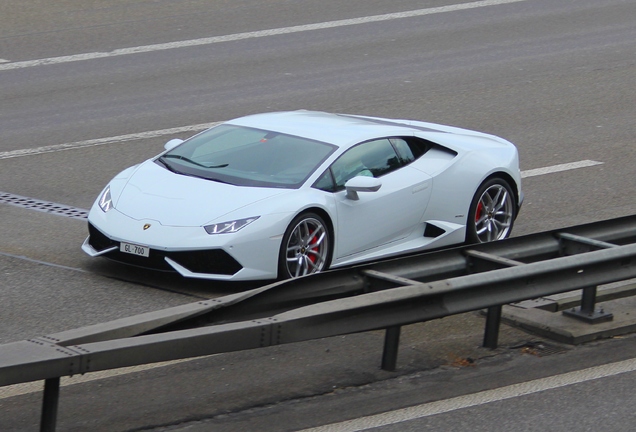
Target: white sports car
(287, 194)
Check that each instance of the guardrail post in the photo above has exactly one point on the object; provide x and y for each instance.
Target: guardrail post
(491, 333)
(588, 312)
(49, 404)
(391, 345)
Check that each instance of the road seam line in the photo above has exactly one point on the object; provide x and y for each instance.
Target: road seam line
(36, 386)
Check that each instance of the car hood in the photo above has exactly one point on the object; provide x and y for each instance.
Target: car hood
(153, 192)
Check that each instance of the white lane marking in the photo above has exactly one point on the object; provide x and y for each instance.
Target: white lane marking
(251, 35)
(102, 141)
(558, 168)
(480, 398)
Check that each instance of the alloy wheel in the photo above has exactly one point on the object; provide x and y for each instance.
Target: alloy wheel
(307, 247)
(494, 214)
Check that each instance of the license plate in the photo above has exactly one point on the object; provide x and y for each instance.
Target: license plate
(134, 249)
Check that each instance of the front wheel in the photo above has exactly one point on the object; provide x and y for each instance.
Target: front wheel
(306, 247)
(492, 212)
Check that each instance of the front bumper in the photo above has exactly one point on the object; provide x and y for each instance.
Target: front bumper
(250, 254)
(210, 262)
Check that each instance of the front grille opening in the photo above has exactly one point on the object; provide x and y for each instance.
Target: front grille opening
(98, 240)
(215, 261)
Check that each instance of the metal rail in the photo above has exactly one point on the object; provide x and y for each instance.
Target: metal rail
(384, 295)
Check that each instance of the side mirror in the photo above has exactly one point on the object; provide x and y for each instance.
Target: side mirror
(361, 184)
(172, 143)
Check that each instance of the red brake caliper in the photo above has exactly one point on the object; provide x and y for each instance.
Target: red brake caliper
(313, 258)
(480, 208)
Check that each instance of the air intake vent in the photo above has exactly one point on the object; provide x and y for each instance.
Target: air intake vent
(433, 231)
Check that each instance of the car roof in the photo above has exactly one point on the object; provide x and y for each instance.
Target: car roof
(338, 129)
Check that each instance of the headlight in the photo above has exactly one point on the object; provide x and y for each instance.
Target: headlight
(105, 201)
(230, 226)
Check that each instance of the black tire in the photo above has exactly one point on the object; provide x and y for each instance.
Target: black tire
(492, 212)
(306, 247)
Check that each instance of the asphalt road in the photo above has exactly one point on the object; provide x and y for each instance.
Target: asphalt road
(88, 88)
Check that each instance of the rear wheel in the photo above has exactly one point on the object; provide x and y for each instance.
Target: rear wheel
(492, 212)
(306, 247)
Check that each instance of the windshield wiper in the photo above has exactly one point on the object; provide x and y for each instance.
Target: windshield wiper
(168, 166)
(183, 158)
(195, 162)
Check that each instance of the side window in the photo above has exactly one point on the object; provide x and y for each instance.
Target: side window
(325, 182)
(372, 158)
(403, 149)
(418, 146)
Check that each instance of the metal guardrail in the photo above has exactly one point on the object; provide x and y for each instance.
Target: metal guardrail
(383, 295)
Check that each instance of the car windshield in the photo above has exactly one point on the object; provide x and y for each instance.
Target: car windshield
(247, 157)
